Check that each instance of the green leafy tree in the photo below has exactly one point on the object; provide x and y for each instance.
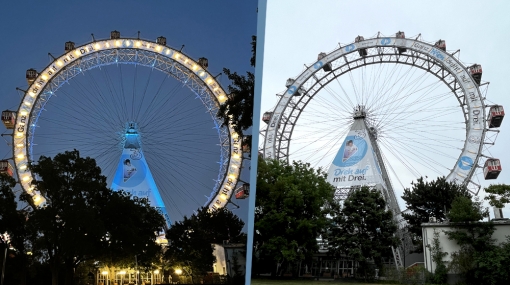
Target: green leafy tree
(499, 195)
(83, 219)
(426, 199)
(13, 225)
(190, 241)
(480, 260)
(238, 107)
(290, 212)
(364, 229)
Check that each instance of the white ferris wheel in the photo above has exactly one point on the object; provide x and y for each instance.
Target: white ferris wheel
(426, 109)
(99, 89)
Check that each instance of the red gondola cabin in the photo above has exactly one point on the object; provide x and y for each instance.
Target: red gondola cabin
(492, 168)
(9, 119)
(243, 192)
(326, 67)
(476, 72)
(496, 115)
(266, 117)
(361, 51)
(6, 167)
(441, 44)
(401, 35)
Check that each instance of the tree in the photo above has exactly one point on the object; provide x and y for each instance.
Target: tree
(480, 260)
(499, 195)
(83, 219)
(190, 241)
(13, 232)
(290, 212)
(428, 199)
(364, 229)
(238, 107)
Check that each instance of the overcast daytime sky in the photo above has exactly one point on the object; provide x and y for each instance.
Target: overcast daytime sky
(179, 133)
(297, 31)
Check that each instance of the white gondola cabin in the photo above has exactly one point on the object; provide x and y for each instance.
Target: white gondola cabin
(266, 117)
(6, 167)
(361, 51)
(243, 192)
(115, 35)
(246, 144)
(496, 115)
(69, 46)
(31, 75)
(9, 118)
(203, 62)
(441, 44)
(476, 72)
(492, 168)
(326, 67)
(161, 41)
(289, 82)
(401, 35)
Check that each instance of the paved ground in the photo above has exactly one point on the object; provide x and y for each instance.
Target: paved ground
(307, 282)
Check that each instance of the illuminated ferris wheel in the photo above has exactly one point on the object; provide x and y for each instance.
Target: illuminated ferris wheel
(118, 96)
(426, 108)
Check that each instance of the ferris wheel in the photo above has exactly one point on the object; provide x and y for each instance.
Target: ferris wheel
(424, 108)
(103, 91)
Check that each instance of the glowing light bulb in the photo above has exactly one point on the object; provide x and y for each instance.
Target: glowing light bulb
(23, 167)
(28, 103)
(167, 51)
(158, 48)
(20, 156)
(20, 144)
(97, 46)
(19, 134)
(23, 113)
(118, 43)
(138, 43)
(223, 197)
(37, 198)
(44, 77)
(26, 178)
(60, 63)
(128, 43)
(107, 45)
(77, 53)
(195, 67)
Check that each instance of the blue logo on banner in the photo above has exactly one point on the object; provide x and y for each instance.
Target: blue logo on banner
(352, 151)
(465, 163)
(292, 90)
(349, 47)
(385, 41)
(318, 65)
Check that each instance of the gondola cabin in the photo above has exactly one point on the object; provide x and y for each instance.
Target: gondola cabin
(114, 35)
(401, 35)
(246, 144)
(161, 41)
(6, 167)
(243, 192)
(441, 44)
(476, 72)
(326, 67)
(361, 51)
(31, 76)
(69, 46)
(203, 62)
(289, 82)
(266, 117)
(496, 114)
(492, 168)
(9, 119)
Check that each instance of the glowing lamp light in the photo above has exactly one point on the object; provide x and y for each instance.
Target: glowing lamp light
(176, 55)
(60, 63)
(118, 43)
(156, 271)
(23, 167)
(232, 176)
(178, 271)
(44, 77)
(97, 46)
(27, 103)
(20, 144)
(107, 45)
(122, 272)
(77, 53)
(138, 44)
(167, 51)
(128, 43)
(23, 113)
(104, 272)
(195, 67)
(209, 81)
(19, 135)
(236, 156)
(37, 198)
(223, 197)
(32, 94)
(20, 156)
(26, 178)
(158, 48)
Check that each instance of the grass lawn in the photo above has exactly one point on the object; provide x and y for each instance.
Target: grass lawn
(307, 282)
